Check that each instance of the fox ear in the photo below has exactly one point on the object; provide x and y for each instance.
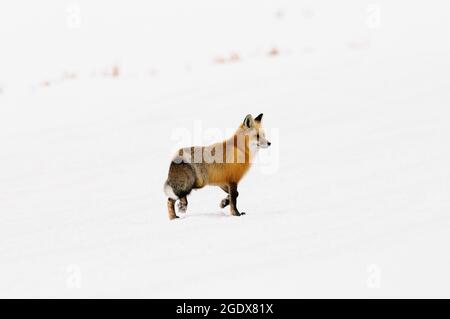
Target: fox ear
(248, 121)
(259, 118)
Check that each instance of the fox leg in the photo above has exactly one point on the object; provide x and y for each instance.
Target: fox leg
(226, 201)
(182, 205)
(171, 208)
(233, 199)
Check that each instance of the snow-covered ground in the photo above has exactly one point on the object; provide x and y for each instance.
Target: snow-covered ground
(351, 200)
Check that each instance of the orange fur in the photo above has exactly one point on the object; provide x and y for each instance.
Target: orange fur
(236, 160)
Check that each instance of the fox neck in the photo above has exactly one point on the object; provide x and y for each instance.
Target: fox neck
(241, 142)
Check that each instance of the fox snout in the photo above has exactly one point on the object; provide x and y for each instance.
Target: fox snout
(264, 145)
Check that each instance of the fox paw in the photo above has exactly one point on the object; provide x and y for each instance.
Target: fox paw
(238, 214)
(181, 207)
(224, 203)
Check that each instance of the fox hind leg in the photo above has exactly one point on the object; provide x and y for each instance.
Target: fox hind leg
(171, 208)
(182, 205)
(180, 182)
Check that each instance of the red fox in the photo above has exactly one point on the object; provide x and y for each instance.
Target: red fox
(222, 164)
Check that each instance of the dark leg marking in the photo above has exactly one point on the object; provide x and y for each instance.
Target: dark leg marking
(233, 200)
(182, 205)
(226, 201)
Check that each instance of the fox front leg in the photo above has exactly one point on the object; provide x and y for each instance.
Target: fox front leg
(233, 199)
(226, 201)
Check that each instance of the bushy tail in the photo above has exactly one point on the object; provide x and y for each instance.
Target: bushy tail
(181, 180)
(168, 190)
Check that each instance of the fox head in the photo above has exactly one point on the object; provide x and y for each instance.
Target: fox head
(254, 130)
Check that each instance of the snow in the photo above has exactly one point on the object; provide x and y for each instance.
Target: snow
(351, 199)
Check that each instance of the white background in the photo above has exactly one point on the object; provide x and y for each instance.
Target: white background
(352, 199)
